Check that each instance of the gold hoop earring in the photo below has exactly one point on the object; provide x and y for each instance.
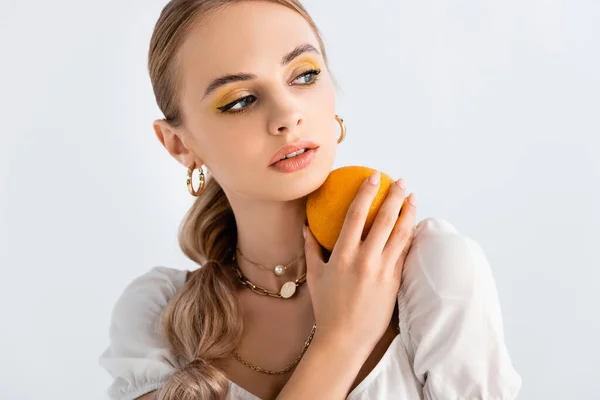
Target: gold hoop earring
(343, 134)
(189, 184)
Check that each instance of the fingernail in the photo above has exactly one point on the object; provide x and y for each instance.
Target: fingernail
(412, 199)
(304, 231)
(375, 177)
(400, 182)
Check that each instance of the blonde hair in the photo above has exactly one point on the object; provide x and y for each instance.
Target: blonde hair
(203, 322)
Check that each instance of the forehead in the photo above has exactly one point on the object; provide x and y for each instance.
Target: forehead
(247, 36)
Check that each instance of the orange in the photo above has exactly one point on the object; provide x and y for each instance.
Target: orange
(327, 206)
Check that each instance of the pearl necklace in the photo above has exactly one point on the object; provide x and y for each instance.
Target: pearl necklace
(287, 290)
(278, 270)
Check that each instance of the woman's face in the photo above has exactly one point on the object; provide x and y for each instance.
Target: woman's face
(251, 84)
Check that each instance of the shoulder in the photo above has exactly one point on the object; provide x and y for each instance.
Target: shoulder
(138, 356)
(159, 283)
(135, 321)
(449, 261)
(148, 293)
(450, 319)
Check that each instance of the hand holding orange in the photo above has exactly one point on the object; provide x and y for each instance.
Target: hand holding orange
(327, 206)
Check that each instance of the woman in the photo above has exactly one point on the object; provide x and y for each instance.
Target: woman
(247, 95)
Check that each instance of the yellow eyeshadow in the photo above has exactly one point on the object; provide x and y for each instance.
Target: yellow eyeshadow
(226, 96)
(305, 62)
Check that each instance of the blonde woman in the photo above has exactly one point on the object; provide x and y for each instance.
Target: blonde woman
(249, 106)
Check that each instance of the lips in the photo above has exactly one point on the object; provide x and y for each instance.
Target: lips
(290, 148)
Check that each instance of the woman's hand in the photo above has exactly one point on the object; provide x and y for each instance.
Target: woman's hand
(354, 292)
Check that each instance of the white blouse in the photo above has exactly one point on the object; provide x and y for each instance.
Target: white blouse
(450, 346)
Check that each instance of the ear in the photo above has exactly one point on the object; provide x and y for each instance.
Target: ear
(172, 139)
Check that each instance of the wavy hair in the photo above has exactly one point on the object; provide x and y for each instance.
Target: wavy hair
(203, 322)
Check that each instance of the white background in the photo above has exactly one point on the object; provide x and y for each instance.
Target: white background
(489, 110)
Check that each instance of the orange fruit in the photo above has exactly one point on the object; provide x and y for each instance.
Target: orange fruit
(327, 206)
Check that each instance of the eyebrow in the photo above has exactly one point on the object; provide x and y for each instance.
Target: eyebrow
(287, 58)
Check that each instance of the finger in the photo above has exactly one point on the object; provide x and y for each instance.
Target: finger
(400, 240)
(356, 216)
(400, 262)
(386, 218)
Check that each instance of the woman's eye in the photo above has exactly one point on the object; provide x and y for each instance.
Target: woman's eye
(239, 104)
(307, 78)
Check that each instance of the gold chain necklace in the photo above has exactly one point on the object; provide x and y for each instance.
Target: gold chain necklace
(287, 290)
(283, 371)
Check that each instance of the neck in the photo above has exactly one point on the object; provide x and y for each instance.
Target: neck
(270, 234)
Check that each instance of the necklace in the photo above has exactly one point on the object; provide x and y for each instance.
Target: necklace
(287, 290)
(278, 270)
(283, 371)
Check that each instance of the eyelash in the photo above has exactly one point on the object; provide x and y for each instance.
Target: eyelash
(225, 109)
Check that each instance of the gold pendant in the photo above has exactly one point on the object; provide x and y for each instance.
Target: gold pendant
(288, 289)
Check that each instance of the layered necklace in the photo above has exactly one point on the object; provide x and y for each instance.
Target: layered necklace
(287, 290)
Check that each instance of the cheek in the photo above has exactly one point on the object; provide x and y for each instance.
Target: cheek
(234, 152)
(325, 96)
(323, 109)
(323, 102)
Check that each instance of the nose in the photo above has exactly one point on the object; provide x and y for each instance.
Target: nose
(285, 121)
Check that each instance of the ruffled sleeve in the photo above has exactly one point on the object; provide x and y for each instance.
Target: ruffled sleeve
(450, 318)
(138, 357)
